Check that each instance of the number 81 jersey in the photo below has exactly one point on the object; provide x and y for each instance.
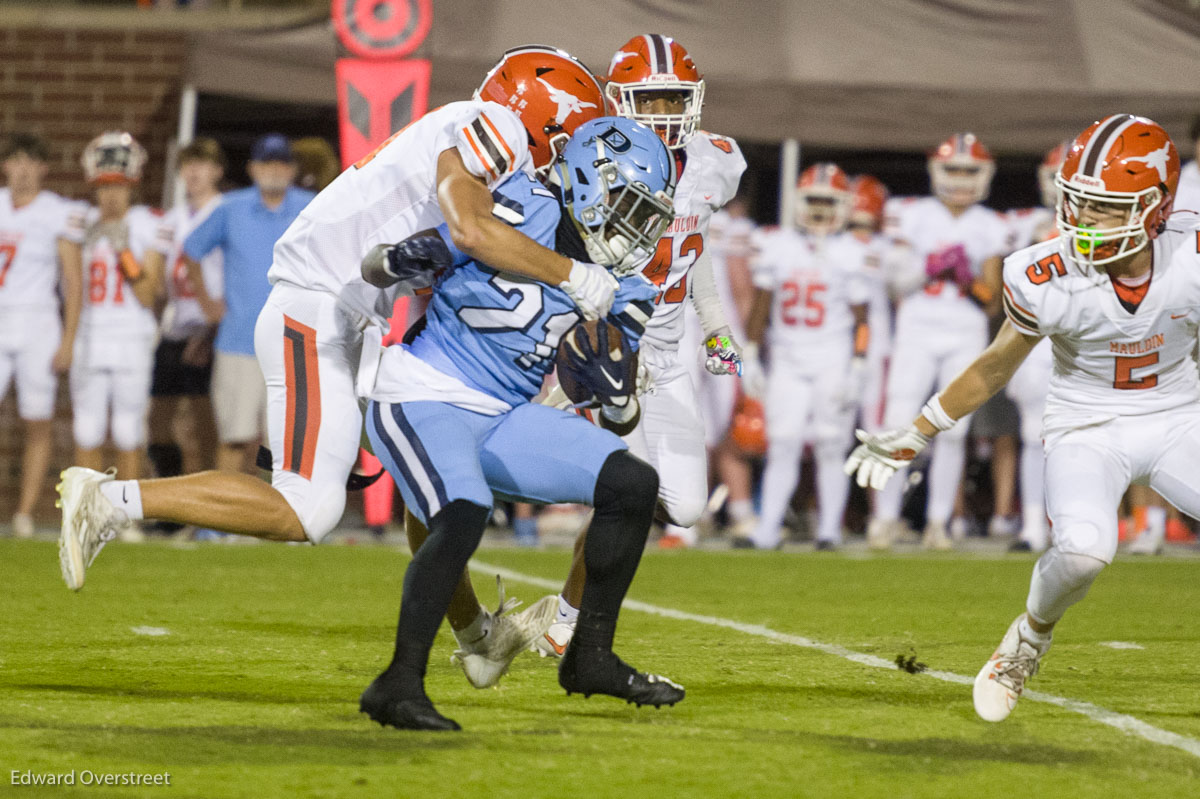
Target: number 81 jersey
(1109, 362)
(712, 168)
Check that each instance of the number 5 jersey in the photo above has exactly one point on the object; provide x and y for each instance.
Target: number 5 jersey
(1109, 360)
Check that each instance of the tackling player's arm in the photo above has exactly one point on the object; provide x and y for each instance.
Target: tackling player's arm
(467, 204)
(70, 258)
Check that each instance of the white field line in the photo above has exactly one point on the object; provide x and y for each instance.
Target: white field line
(1120, 721)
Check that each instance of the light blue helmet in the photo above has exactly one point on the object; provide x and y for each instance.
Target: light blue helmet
(618, 184)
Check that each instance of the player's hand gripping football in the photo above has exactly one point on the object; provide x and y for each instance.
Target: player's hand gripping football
(722, 354)
(592, 288)
(416, 261)
(606, 368)
(878, 457)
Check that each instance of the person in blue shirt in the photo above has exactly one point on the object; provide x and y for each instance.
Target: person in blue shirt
(451, 415)
(245, 227)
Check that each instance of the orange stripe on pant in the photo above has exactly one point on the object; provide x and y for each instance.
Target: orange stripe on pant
(303, 398)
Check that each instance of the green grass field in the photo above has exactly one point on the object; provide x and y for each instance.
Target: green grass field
(253, 690)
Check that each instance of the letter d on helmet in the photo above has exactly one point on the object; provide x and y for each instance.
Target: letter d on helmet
(618, 185)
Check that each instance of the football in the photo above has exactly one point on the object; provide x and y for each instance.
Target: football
(584, 338)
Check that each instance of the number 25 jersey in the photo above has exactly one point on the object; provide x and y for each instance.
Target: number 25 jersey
(1109, 362)
(814, 280)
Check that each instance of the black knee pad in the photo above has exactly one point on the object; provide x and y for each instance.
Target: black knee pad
(627, 485)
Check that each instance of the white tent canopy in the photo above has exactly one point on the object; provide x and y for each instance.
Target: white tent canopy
(897, 74)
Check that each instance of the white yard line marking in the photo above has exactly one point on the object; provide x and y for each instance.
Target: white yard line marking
(1120, 721)
(153, 632)
(1121, 645)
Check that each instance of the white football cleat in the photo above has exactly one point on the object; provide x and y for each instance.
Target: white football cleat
(22, 525)
(89, 521)
(485, 661)
(935, 537)
(1000, 682)
(880, 533)
(554, 641)
(1149, 541)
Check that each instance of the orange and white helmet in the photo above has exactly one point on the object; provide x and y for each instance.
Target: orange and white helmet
(113, 157)
(551, 91)
(822, 199)
(868, 195)
(653, 64)
(960, 170)
(1122, 163)
(1048, 171)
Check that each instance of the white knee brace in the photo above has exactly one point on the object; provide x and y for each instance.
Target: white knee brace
(1060, 579)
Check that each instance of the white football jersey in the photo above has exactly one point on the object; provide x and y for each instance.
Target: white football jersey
(928, 227)
(730, 239)
(1028, 226)
(111, 313)
(1109, 362)
(182, 316)
(814, 280)
(390, 195)
(29, 250)
(711, 171)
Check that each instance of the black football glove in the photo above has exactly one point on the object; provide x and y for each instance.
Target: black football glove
(611, 381)
(416, 261)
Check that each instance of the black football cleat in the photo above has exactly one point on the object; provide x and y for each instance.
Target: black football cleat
(593, 670)
(383, 704)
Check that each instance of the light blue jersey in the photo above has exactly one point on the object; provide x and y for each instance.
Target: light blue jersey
(499, 333)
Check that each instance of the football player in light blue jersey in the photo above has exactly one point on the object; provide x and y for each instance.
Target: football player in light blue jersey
(451, 419)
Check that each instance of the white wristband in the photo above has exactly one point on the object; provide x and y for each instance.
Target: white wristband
(936, 415)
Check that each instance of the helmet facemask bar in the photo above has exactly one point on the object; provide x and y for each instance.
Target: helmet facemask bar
(628, 225)
(113, 158)
(676, 130)
(961, 189)
(1090, 247)
(835, 205)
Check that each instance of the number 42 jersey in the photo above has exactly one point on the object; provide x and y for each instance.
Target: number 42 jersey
(1108, 361)
(712, 168)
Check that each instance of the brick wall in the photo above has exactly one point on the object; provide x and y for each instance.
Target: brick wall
(69, 85)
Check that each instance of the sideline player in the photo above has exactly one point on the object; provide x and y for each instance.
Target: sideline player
(452, 419)
(124, 251)
(37, 256)
(812, 286)
(317, 338)
(954, 273)
(1118, 295)
(183, 360)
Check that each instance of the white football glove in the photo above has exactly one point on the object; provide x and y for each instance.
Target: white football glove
(592, 288)
(878, 457)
